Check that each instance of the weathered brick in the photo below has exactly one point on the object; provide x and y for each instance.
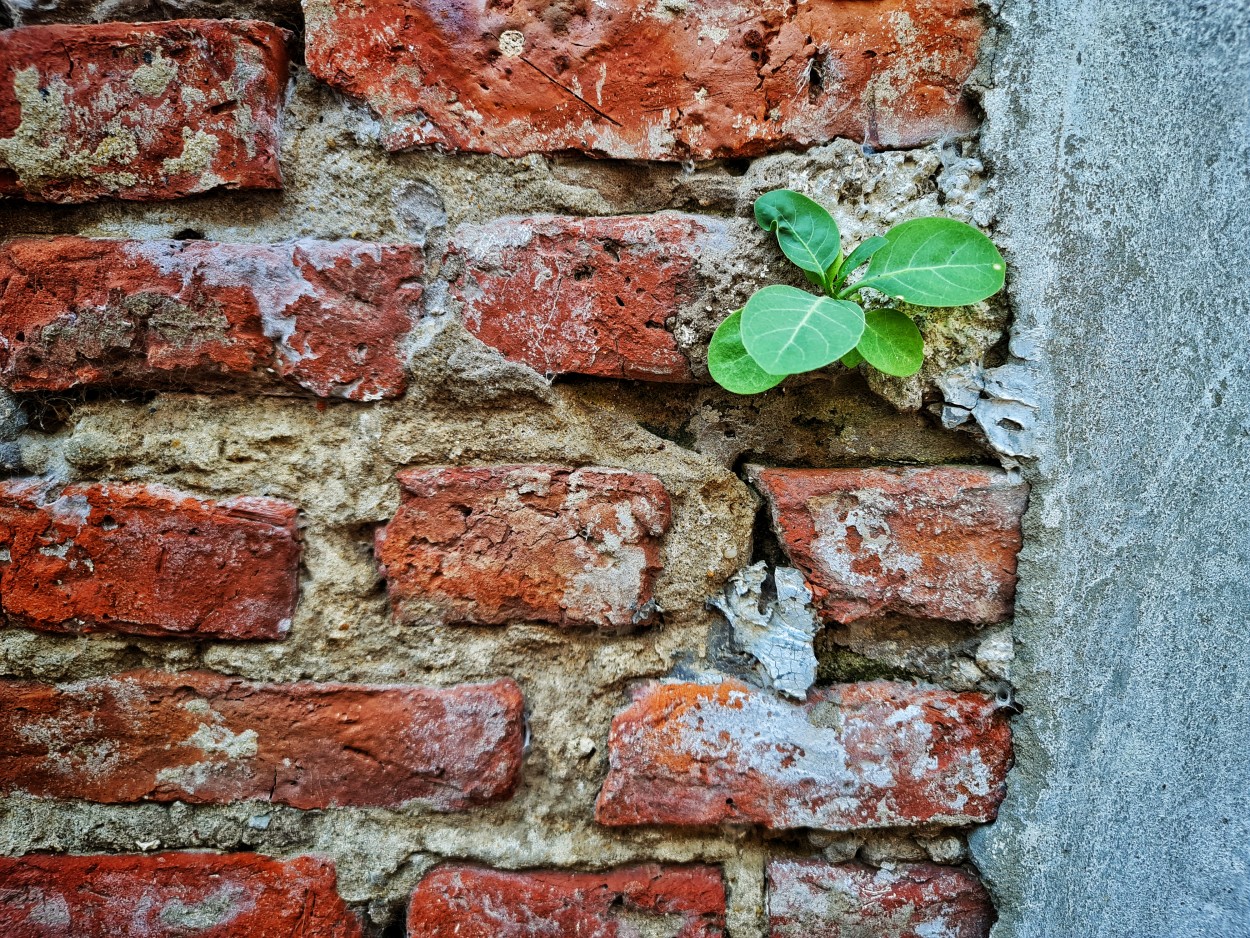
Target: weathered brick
(169, 895)
(647, 79)
(140, 111)
(855, 756)
(147, 560)
(814, 899)
(206, 738)
(936, 543)
(325, 317)
(581, 295)
(470, 902)
(499, 544)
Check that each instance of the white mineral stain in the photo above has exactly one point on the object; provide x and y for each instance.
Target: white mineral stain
(49, 909)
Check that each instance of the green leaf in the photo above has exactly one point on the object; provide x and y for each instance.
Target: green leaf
(788, 331)
(731, 366)
(891, 343)
(935, 262)
(858, 258)
(808, 235)
(852, 358)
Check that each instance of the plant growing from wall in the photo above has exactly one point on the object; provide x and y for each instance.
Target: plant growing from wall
(782, 330)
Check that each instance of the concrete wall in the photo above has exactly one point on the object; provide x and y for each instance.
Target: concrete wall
(1120, 135)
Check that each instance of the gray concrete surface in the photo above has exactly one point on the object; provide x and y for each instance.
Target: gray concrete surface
(1120, 136)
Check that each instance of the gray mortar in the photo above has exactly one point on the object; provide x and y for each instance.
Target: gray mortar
(1120, 138)
(467, 405)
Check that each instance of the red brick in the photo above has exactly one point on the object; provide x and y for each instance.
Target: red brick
(170, 895)
(582, 295)
(140, 111)
(325, 317)
(147, 560)
(924, 543)
(209, 739)
(470, 902)
(854, 756)
(814, 899)
(647, 80)
(499, 544)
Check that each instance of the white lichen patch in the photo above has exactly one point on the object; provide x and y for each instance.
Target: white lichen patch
(152, 78)
(213, 911)
(1003, 401)
(198, 150)
(270, 275)
(216, 739)
(45, 908)
(39, 151)
(511, 43)
(36, 151)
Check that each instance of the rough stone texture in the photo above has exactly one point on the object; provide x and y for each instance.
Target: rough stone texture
(1129, 813)
(323, 317)
(469, 902)
(855, 756)
(199, 737)
(651, 79)
(936, 543)
(146, 560)
(584, 296)
(149, 111)
(501, 544)
(165, 895)
(812, 899)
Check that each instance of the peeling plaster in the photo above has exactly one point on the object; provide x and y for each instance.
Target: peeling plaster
(778, 629)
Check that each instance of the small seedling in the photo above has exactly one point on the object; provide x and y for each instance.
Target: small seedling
(785, 331)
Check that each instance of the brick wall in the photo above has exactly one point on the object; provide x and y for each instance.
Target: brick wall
(370, 519)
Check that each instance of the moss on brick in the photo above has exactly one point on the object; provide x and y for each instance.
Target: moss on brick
(838, 665)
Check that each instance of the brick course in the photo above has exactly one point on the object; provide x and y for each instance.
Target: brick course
(320, 317)
(470, 902)
(584, 296)
(645, 80)
(501, 544)
(140, 111)
(937, 543)
(856, 756)
(209, 739)
(147, 560)
(815, 899)
(208, 895)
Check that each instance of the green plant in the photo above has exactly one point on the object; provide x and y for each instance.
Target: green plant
(783, 331)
